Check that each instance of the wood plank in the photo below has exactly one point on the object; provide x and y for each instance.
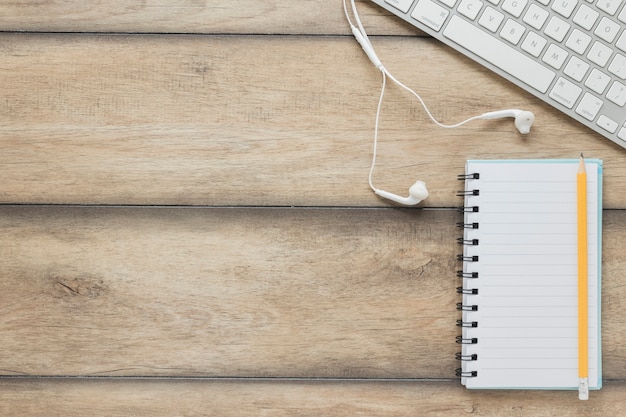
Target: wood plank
(227, 292)
(245, 292)
(293, 398)
(321, 17)
(197, 120)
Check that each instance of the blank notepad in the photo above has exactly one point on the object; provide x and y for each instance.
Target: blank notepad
(520, 267)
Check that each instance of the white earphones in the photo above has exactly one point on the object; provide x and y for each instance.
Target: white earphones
(523, 119)
(418, 192)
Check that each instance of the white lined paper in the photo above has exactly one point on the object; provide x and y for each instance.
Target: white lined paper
(527, 274)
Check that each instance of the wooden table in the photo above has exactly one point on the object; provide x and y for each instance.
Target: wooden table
(187, 227)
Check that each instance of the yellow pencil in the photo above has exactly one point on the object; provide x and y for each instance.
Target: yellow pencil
(583, 330)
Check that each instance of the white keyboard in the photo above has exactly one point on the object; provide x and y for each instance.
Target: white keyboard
(571, 54)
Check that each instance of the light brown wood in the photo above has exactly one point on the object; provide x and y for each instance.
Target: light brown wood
(253, 121)
(228, 292)
(293, 398)
(192, 16)
(249, 105)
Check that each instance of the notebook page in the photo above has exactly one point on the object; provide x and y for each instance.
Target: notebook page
(527, 309)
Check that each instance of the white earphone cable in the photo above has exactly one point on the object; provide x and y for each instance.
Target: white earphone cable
(376, 129)
(385, 74)
(361, 30)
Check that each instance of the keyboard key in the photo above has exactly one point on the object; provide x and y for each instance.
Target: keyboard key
(565, 92)
(578, 41)
(621, 42)
(564, 7)
(622, 15)
(402, 5)
(470, 8)
(514, 7)
(586, 17)
(536, 16)
(557, 29)
(618, 66)
(512, 31)
(499, 54)
(599, 54)
(576, 68)
(609, 6)
(617, 94)
(430, 14)
(491, 19)
(607, 123)
(607, 30)
(597, 81)
(589, 106)
(555, 56)
(534, 44)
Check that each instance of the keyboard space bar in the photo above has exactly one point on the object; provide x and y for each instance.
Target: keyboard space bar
(499, 54)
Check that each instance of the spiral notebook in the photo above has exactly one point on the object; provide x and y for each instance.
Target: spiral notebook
(519, 308)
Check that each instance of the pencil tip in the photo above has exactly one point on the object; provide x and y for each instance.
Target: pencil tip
(581, 155)
(581, 164)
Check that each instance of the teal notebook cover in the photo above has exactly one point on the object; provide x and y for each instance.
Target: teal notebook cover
(519, 305)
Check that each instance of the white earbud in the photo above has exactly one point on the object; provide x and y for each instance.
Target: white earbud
(523, 119)
(417, 193)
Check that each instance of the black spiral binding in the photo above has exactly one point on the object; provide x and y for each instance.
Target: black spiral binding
(467, 225)
(473, 357)
(468, 192)
(473, 176)
(467, 293)
(462, 323)
(469, 374)
(464, 307)
(466, 341)
(467, 242)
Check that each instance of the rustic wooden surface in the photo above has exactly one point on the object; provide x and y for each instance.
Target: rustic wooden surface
(187, 228)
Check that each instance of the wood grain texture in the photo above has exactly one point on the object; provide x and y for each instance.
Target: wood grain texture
(252, 121)
(250, 105)
(245, 292)
(292, 398)
(315, 17)
(227, 292)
